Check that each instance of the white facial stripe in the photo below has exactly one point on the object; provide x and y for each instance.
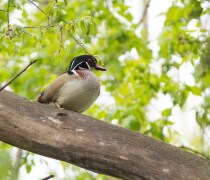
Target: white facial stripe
(81, 67)
(72, 63)
(75, 72)
(88, 66)
(77, 65)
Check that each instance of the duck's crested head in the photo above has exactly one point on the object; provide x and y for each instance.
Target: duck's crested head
(85, 62)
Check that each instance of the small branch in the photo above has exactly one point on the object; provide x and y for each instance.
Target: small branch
(61, 39)
(17, 164)
(30, 27)
(145, 12)
(48, 177)
(3, 10)
(49, 14)
(9, 31)
(162, 136)
(8, 5)
(34, 27)
(195, 152)
(17, 75)
(80, 44)
(41, 10)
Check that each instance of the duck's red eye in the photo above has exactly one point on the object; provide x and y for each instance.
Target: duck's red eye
(91, 62)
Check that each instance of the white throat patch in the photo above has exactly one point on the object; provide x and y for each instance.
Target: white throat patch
(75, 73)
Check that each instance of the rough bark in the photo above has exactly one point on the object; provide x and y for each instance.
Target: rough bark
(93, 144)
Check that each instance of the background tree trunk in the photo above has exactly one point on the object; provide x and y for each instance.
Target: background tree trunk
(93, 144)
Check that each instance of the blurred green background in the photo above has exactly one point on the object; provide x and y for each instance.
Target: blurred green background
(157, 54)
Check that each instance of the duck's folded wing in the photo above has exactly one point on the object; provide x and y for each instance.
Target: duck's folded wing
(49, 95)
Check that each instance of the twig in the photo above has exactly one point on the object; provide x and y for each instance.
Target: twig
(34, 27)
(145, 12)
(80, 44)
(162, 137)
(17, 164)
(61, 40)
(8, 32)
(3, 10)
(195, 152)
(8, 5)
(32, 62)
(41, 10)
(48, 177)
(30, 27)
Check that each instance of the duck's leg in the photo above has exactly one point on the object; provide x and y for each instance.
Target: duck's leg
(57, 105)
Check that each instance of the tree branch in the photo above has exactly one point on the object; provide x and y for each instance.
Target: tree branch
(48, 177)
(17, 75)
(79, 43)
(8, 6)
(3, 10)
(93, 144)
(145, 12)
(17, 164)
(42, 11)
(195, 152)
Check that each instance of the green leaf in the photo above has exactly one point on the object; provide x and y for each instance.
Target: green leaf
(166, 112)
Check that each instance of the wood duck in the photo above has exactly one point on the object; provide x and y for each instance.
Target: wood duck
(76, 89)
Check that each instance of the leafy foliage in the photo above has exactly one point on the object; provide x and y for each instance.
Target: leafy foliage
(5, 163)
(56, 31)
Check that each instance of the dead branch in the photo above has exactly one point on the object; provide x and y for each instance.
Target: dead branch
(93, 144)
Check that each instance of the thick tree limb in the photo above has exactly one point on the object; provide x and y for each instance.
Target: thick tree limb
(93, 144)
